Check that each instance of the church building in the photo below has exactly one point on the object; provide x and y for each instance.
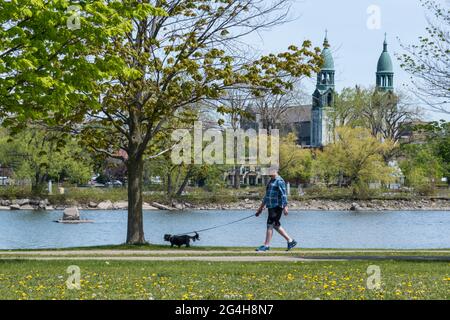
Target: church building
(310, 122)
(322, 98)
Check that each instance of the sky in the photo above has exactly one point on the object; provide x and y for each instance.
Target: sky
(355, 35)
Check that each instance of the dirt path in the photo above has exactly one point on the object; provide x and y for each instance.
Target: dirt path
(228, 255)
(204, 252)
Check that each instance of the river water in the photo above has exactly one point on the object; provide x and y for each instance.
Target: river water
(312, 229)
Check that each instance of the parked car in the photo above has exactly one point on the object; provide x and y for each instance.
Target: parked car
(114, 183)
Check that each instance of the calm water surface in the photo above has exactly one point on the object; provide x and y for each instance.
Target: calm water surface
(312, 229)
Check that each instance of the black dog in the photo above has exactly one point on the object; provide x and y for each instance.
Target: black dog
(180, 240)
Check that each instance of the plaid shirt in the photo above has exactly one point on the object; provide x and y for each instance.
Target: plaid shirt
(276, 195)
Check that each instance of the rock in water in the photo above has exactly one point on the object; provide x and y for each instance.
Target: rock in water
(120, 205)
(161, 206)
(42, 205)
(146, 206)
(105, 205)
(27, 207)
(22, 202)
(71, 214)
(92, 204)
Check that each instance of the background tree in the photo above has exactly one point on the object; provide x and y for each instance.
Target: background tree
(441, 145)
(359, 156)
(272, 107)
(236, 105)
(347, 107)
(384, 114)
(325, 169)
(429, 60)
(426, 162)
(422, 168)
(295, 162)
(176, 177)
(39, 156)
(43, 63)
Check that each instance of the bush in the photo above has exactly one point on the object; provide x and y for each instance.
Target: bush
(16, 192)
(201, 196)
(418, 179)
(322, 192)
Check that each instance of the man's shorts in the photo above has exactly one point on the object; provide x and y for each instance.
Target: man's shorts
(273, 219)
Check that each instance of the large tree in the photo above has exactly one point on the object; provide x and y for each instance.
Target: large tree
(272, 108)
(142, 77)
(39, 156)
(429, 60)
(422, 167)
(383, 113)
(427, 161)
(47, 51)
(295, 162)
(386, 114)
(236, 105)
(359, 156)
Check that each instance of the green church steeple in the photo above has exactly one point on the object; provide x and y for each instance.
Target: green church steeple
(323, 98)
(325, 78)
(385, 70)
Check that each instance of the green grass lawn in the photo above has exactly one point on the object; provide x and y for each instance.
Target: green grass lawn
(306, 252)
(25, 279)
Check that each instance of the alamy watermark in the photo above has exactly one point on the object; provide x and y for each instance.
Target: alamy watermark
(228, 146)
(374, 279)
(74, 279)
(374, 19)
(73, 22)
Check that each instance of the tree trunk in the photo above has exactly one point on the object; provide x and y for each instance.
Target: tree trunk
(39, 185)
(185, 182)
(135, 229)
(169, 183)
(237, 177)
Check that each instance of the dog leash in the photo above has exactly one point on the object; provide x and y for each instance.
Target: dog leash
(215, 227)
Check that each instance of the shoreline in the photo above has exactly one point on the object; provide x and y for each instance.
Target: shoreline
(344, 205)
(247, 204)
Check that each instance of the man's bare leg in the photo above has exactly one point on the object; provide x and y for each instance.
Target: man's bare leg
(283, 233)
(269, 234)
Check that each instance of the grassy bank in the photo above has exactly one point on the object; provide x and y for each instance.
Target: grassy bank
(20, 279)
(153, 249)
(74, 195)
(199, 196)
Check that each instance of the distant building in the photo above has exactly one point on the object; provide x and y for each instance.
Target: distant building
(310, 122)
(322, 99)
(6, 175)
(248, 176)
(385, 70)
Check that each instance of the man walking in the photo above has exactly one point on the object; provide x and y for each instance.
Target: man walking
(276, 202)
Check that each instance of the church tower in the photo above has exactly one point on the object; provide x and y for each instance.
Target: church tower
(385, 71)
(323, 98)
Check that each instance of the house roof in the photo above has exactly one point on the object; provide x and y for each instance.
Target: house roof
(294, 114)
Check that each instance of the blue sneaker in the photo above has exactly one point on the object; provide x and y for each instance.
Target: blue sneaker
(263, 249)
(291, 244)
